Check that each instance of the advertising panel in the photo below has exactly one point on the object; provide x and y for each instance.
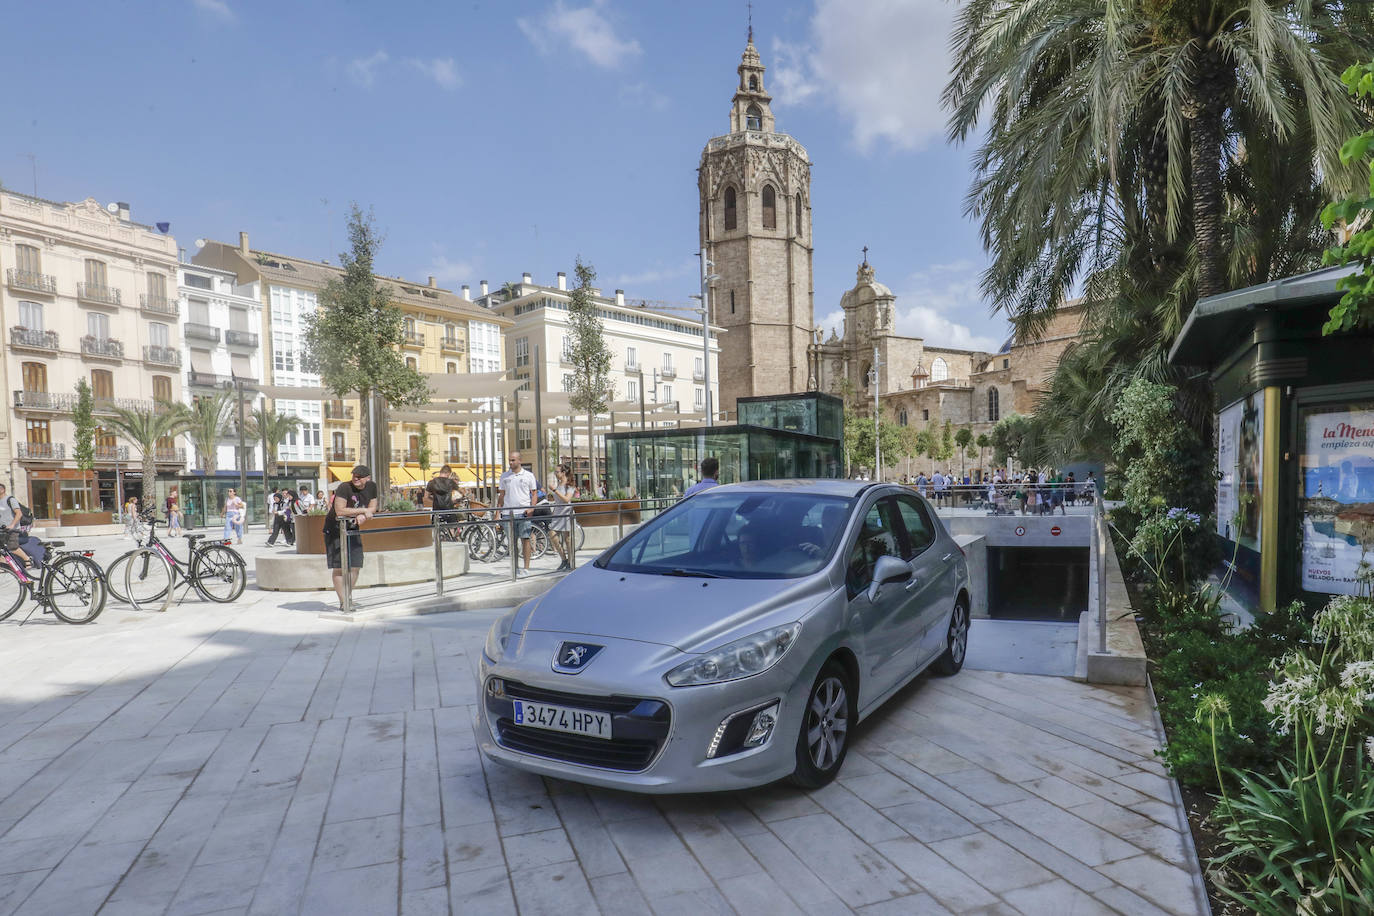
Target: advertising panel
(1240, 432)
(1337, 498)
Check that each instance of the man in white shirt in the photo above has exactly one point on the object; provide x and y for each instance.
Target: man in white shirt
(518, 487)
(306, 501)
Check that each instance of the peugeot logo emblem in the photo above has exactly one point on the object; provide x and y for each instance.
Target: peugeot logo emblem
(572, 657)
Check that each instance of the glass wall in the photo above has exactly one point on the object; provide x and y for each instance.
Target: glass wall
(664, 463)
(812, 413)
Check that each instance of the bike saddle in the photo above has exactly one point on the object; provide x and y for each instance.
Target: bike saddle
(192, 538)
(56, 543)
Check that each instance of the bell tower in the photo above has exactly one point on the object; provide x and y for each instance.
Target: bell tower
(754, 187)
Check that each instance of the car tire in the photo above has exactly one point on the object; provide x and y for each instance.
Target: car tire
(827, 724)
(956, 641)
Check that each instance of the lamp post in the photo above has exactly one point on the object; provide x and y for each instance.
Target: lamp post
(706, 279)
(873, 377)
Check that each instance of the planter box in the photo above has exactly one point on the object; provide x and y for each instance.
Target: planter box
(72, 519)
(376, 536)
(602, 512)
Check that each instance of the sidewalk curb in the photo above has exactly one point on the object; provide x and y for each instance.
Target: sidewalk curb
(497, 595)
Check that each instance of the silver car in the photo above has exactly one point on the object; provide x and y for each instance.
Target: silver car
(731, 641)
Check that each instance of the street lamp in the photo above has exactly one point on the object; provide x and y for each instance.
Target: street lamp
(873, 377)
(706, 278)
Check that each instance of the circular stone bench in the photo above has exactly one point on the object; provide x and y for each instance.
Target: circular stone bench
(293, 572)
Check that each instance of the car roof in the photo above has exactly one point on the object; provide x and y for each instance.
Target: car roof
(820, 486)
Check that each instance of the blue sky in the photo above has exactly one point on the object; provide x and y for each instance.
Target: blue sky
(493, 138)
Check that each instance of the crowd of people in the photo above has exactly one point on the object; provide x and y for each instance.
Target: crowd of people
(1032, 491)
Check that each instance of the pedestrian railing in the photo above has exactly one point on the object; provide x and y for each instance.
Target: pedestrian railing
(1010, 497)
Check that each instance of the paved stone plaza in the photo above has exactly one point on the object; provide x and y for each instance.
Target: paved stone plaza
(259, 759)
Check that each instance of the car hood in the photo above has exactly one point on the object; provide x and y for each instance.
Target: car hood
(689, 614)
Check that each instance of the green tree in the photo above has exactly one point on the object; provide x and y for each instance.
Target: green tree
(1356, 308)
(963, 436)
(426, 454)
(589, 355)
(982, 442)
(1009, 438)
(207, 421)
(145, 429)
(82, 418)
(271, 428)
(858, 441)
(944, 449)
(353, 341)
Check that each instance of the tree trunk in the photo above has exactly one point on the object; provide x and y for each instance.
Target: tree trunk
(149, 476)
(591, 450)
(364, 427)
(1205, 142)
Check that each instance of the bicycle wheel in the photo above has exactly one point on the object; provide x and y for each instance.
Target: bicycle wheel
(11, 591)
(581, 535)
(75, 589)
(480, 542)
(218, 573)
(149, 580)
(539, 541)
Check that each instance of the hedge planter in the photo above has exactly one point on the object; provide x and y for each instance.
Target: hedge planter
(78, 519)
(376, 536)
(601, 513)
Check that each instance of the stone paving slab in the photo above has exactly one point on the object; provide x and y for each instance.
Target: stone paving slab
(256, 758)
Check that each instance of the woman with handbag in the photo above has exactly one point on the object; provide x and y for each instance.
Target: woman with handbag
(561, 523)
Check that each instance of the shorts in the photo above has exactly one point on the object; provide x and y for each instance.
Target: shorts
(334, 555)
(522, 528)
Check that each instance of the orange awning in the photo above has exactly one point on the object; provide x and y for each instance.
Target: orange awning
(341, 472)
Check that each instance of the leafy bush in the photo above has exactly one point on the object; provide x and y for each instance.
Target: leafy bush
(398, 504)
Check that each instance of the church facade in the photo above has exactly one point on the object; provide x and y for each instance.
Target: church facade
(755, 227)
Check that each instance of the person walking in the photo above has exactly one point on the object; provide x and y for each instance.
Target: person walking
(438, 495)
(235, 510)
(354, 504)
(561, 524)
(273, 516)
(290, 508)
(710, 467)
(305, 502)
(172, 508)
(516, 496)
(283, 518)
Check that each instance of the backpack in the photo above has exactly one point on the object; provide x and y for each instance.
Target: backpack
(23, 515)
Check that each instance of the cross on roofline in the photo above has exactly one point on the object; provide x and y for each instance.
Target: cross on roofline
(865, 256)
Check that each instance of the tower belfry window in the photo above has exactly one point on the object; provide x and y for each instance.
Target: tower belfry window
(730, 213)
(753, 84)
(753, 118)
(770, 207)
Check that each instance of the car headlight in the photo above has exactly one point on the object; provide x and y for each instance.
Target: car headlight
(741, 658)
(497, 637)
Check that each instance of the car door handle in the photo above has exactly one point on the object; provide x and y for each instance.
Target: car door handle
(946, 558)
(915, 582)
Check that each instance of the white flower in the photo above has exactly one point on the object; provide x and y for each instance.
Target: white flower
(1369, 746)
(1358, 677)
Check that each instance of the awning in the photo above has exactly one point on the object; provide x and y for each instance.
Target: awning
(465, 475)
(200, 362)
(401, 475)
(241, 367)
(341, 472)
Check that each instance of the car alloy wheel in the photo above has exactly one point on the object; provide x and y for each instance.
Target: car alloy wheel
(956, 641)
(826, 721)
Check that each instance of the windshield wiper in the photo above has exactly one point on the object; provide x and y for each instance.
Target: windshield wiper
(690, 574)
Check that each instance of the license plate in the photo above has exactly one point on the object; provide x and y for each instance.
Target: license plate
(563, 719)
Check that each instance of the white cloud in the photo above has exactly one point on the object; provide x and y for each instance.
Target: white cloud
(925, 300)
(363, 70)
(216, 8)
(450, 273)
(655, 275)
(881, 63)
(443, 70)
(586, 29)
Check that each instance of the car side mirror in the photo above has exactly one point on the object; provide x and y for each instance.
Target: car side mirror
(887, 569)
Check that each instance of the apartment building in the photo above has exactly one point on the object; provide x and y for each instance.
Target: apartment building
(443, 333)
(87, 293)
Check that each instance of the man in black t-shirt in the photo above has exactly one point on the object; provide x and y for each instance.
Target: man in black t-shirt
(351, 505)
(440, 489)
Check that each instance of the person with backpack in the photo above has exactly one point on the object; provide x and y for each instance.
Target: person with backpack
(438, 494)
(17, 517)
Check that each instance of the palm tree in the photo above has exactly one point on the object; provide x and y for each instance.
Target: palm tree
(272, 428)
(145, 429)
(207, 419)
(1073, 91)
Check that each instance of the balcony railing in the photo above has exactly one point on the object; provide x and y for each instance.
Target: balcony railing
(31, 282)
(632, 366)
(341, 455)
(407, 455)
(163, 356)
(110, 452)
(455, 458)
(159, 305)
(241, 338)
(413, 339)
(453, 345)
(102, 347)
(202, 331)
(208, 380)
(29, 339)
(107, 405)
(43, 400)
(667, 372)
(566, 357)
(698, 375)
(337, 411)
(97, 294)
(41, 451)
(169, 455)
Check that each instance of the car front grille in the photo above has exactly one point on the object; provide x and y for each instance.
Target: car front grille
(640, 725)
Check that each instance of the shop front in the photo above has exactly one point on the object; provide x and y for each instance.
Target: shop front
(1294, 438)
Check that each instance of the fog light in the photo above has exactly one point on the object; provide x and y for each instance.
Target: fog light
(496, 687)
(762, 727)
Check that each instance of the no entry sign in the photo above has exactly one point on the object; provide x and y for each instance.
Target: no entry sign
(1055, 531)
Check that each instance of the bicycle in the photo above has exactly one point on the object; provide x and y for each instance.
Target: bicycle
(216, 571)
(70, 584)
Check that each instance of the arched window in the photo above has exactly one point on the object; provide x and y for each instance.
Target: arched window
(770, 207)
(730, 218)
(410, 362)
(994, 405)
(753, 84)
(799, 214)
(902, 417)
(452, 368)
(939, 370)
(753, 118)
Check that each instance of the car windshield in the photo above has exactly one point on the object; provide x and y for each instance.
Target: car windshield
(736, 535)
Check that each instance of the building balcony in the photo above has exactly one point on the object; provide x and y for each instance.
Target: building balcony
(340, 412)
(110, 453)
(196, 379)
(406, 455)
(632, 367)
(341, 455)
(667, 372)
(43, 401)
(102, 348)
(162, 356)
(30, 282)
(196, 331)
(241, 339)
(455, 458)
(698, 375)
(169, 456)
(159, 306)
(108, 405)
(566, 357)
(99, 295)
(40, 451)
(414, 340)
(29, 339)
(453, 345)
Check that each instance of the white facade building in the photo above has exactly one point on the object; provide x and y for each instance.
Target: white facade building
(288, 311)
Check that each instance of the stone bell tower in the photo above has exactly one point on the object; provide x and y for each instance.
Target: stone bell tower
(754, 187)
